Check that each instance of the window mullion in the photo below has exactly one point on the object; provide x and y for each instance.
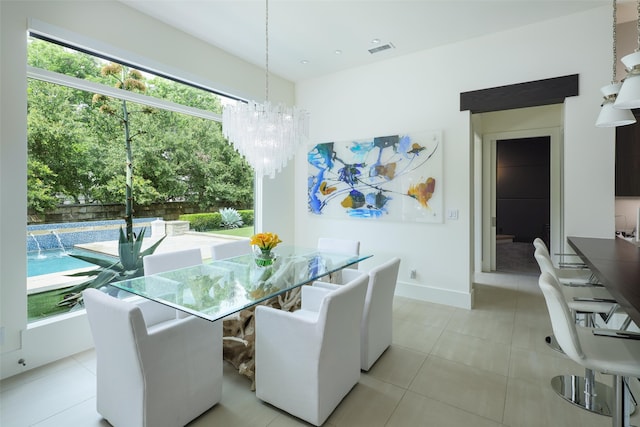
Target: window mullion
(89, 86)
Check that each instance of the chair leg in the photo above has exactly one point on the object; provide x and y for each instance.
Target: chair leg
(622, 407)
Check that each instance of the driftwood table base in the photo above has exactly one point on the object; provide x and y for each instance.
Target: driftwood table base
(239, 333)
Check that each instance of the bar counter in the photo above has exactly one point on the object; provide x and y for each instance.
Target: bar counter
(616, 263)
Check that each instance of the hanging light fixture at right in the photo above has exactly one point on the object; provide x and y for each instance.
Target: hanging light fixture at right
(629, 95)
(610, 116)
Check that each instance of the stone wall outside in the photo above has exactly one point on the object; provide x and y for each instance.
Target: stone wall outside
(93, 212)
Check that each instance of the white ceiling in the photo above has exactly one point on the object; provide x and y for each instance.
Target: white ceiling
(313, 30)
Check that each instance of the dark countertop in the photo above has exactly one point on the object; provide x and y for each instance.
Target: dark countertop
(616, 262)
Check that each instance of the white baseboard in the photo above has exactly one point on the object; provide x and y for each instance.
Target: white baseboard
(435, 295)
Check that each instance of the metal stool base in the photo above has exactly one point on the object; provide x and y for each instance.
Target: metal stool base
(571, 388)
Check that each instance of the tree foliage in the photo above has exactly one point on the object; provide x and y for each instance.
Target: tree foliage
(76, 152)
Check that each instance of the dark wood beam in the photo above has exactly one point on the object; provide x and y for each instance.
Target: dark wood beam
(520, 95)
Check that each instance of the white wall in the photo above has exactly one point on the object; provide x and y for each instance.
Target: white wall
(421, 92)
(118, 30)
(627, 214)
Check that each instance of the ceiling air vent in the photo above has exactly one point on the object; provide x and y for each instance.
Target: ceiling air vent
(381, 48)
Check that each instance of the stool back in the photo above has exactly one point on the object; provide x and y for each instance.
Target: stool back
(562, 320)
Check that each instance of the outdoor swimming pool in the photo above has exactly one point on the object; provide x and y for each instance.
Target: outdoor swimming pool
(57, 260)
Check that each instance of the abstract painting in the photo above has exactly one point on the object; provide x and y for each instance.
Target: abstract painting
(395, 177)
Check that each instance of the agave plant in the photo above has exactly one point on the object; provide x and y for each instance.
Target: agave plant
(231, 218)
(128, 266)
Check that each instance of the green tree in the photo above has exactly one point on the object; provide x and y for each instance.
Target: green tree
(75, 154)
(57, 117)
(40, 197)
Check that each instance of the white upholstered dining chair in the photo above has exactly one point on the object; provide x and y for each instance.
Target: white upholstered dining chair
(339, 246)
(153, 369)
(166, 261)
(308, 360)
(376, 330)
(230, 249)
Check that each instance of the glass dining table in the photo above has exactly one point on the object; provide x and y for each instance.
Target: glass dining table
(216, 289)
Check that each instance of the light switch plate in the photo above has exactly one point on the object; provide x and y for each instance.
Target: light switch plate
(452, 213)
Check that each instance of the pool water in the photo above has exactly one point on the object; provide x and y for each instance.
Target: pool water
(57, 260)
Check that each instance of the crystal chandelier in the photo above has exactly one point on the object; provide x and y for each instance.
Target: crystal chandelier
(267, 135)
(610, 116)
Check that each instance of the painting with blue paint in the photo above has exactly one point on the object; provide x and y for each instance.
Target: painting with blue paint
(393, 177)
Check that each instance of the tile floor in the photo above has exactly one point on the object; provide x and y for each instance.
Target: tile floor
(446, 367)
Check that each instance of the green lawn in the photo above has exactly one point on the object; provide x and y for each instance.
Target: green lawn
(45, 304)
(240, 232)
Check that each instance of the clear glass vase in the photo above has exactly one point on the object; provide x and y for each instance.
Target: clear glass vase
(264, 257)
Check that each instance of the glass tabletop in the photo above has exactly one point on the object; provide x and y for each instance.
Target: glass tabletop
(216, 289)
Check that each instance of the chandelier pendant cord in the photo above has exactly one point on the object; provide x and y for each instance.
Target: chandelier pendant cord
(614, 70)
(638, 28)
(266, 50)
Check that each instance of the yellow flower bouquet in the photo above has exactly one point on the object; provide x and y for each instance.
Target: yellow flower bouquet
(265, 242)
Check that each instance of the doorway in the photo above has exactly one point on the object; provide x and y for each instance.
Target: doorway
(522, 201)
(487, 172)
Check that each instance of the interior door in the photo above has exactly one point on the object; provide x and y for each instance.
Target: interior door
(489, 212)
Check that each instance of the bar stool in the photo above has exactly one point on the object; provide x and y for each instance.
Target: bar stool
(586, 301)
(571, 274)
(611, 352)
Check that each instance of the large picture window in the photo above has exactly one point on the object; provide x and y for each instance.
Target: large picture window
(89, 117)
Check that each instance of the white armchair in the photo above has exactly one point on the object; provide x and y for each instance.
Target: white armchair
(339, 246)
(308, 360)
(376, 332)
(158, 263)
(156, 375)
(166, 261)
(230, 249)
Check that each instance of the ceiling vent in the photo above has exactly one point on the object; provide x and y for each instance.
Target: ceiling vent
(381, 48)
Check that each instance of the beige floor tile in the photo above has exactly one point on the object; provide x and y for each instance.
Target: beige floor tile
(531, 336)
(529, 404)
(428, 314)
(417, 410)
(285, 420)
(87, 359)
(84, 414)
(475, 352)
(493, 298)
(239, 406)
(415, 336)
(397, 366)
(537, 367)
(471, 389)
(533, 317)
(482, 325)
(37, 373)
(46, 396)
(370, 403)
